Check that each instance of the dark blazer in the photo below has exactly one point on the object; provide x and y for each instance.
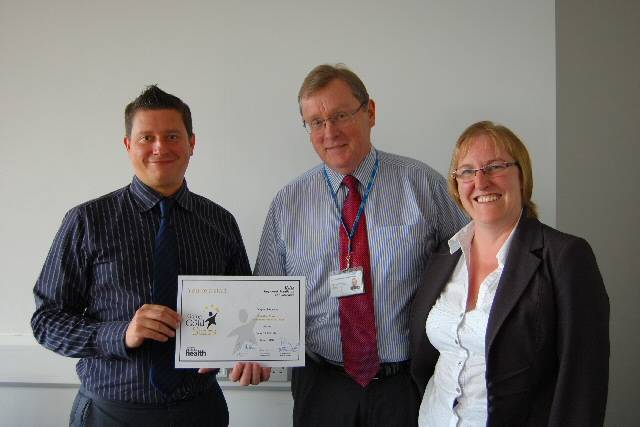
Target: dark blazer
(547, 339)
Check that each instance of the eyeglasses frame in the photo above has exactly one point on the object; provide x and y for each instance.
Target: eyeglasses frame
(507, 165)
(333, 119)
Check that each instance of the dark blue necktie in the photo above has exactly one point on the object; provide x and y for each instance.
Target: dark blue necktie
(165, 287)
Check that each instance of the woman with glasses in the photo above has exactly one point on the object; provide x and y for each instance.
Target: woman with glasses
(512, 327)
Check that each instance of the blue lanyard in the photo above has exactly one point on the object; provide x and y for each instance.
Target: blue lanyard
(363, 202)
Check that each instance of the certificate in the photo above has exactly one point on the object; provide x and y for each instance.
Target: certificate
(229, 319)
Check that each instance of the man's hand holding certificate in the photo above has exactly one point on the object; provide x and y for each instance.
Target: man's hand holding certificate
(229, 319)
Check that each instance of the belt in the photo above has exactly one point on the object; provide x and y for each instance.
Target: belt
(387, 369)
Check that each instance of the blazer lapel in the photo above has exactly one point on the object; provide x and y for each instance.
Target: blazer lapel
(520, 266)
(439, 272)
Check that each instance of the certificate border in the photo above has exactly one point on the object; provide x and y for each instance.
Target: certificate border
(299, 281)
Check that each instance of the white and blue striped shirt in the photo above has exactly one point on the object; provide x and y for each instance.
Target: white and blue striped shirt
(99, 272)
(408, 214)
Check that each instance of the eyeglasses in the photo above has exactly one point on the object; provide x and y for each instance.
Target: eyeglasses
(493, 169)
(339, 119)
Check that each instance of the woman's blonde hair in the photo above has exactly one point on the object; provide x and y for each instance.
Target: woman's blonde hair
(504, 139)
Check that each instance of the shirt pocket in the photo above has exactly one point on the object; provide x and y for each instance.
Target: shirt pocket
(401, 251)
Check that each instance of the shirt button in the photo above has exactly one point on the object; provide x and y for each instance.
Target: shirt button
(461, 315)
(459, 363)
(458, 389)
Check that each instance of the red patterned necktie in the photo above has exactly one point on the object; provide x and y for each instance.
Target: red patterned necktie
(357, 315)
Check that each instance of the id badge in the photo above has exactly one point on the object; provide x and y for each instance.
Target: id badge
(346, 282)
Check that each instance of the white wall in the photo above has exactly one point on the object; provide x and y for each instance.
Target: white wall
(22, 405)
(39, 389)
(69, 67)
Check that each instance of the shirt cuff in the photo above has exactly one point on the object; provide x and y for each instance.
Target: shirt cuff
(110, 339)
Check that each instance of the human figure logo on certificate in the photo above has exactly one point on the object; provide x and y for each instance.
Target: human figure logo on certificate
(229, 319)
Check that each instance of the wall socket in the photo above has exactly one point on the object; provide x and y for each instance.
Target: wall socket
(279, 374)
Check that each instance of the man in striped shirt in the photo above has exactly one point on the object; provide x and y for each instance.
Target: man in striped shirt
(94, 295)
(408, 213)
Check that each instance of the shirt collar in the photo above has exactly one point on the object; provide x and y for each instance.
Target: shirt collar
(147, 198)
(362, 172)
(462, 240)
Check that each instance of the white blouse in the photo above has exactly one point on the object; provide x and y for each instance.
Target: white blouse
(456, 394)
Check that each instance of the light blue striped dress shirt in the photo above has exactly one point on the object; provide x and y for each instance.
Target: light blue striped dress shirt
(408, 214)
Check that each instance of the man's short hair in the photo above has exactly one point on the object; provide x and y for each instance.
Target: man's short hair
(324, 74)
(154, 98)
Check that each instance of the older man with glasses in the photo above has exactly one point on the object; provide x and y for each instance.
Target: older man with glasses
(360, 226)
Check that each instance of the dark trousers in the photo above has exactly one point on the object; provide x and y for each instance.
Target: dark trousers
(325, 396)
(208, 409)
